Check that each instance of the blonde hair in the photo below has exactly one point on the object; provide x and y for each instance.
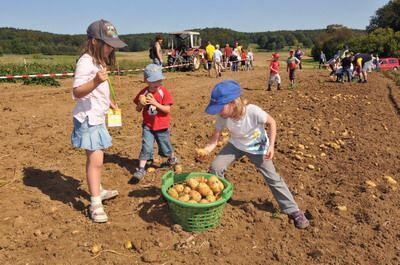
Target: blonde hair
(94, 47)
(239, 108)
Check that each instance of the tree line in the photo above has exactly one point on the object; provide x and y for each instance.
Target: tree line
(22, 41)
(382, 35)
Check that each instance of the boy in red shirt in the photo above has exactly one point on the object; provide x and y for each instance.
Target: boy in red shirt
(154, 101)
(274, 72)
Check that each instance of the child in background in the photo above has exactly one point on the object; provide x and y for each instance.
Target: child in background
(154, 101)
(274, 72)
(249, 60)
(217, 61)
(246, 124)
(92, 95)
(292, 63)
(243, 60)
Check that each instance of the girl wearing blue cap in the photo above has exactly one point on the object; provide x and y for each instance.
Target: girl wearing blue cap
(92, 95)
(246, 123)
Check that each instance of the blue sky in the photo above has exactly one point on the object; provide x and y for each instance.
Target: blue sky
(73, 17)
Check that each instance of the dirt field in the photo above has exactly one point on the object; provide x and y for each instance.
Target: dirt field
(332, 138)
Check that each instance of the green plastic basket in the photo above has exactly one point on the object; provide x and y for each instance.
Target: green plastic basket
(195, 217)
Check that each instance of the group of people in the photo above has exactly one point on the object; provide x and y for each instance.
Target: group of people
(246, 123)
(346, 65)
(235, 59)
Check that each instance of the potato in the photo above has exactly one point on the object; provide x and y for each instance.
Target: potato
(215, 187)
(179, 188)
(184, 198)
(142, 100)
(96, 248)
(192, 183)
(195, 195)
(204, 189)
(215, 184)
(201, 152)
(151, 170)
(178, 169)
(213, 179)
(187, 190)
(128, 244)
(225, 134)
(203, 201)
(201, 179)
(173, 193)
(192, 201)
(210, 198)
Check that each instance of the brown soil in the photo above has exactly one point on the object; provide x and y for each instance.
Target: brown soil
(44, 197)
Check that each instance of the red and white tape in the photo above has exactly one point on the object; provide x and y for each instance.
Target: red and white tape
(72, 74)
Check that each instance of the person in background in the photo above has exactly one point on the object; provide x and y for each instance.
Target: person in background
(156, 51)
(217, 57)
(234, 59)
(243, 57)
(274, 72)
(227, 55)
(299, 55)
(291, 66)
(249, 60)
(209, 55)
(322, 59)
(347, 67)
(362, 62)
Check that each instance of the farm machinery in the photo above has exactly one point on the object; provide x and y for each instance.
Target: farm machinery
(184, 48)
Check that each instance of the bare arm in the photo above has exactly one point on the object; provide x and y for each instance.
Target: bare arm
(164, 108)
(212, 143)
(158, 52)
(272, 136)
(139, 107)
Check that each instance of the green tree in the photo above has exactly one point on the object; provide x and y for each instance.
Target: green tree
(387, 16)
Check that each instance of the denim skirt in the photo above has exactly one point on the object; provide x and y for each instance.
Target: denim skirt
(90, 137)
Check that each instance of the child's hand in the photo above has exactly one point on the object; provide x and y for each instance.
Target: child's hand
(143, 100)
(202, 154)
(100, 77)
(113, 105)
(270, 153)
(151, 100)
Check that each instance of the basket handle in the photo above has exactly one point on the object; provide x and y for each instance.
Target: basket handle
(168, 175)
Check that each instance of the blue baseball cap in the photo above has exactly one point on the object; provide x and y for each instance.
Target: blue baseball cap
(153, 73)
(223, 93)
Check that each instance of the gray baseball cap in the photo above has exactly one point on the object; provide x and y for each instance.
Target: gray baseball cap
(105, 31)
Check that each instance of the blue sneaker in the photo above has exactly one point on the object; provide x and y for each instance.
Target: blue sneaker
(172, 161)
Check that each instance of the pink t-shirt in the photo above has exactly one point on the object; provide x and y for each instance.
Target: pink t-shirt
(95, 104)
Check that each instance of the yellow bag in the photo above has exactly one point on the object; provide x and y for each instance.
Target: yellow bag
(114, 118)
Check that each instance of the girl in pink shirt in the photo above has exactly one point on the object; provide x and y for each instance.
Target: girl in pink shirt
(92, 95)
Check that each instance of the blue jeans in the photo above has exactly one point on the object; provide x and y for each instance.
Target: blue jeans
(162, 137)
(349, 73)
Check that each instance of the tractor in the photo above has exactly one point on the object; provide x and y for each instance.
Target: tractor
(184, 48)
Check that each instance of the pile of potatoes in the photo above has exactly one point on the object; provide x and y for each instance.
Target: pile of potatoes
(197, 190)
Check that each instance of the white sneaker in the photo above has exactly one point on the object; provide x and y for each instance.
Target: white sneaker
(97, 213)
(108, 194)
